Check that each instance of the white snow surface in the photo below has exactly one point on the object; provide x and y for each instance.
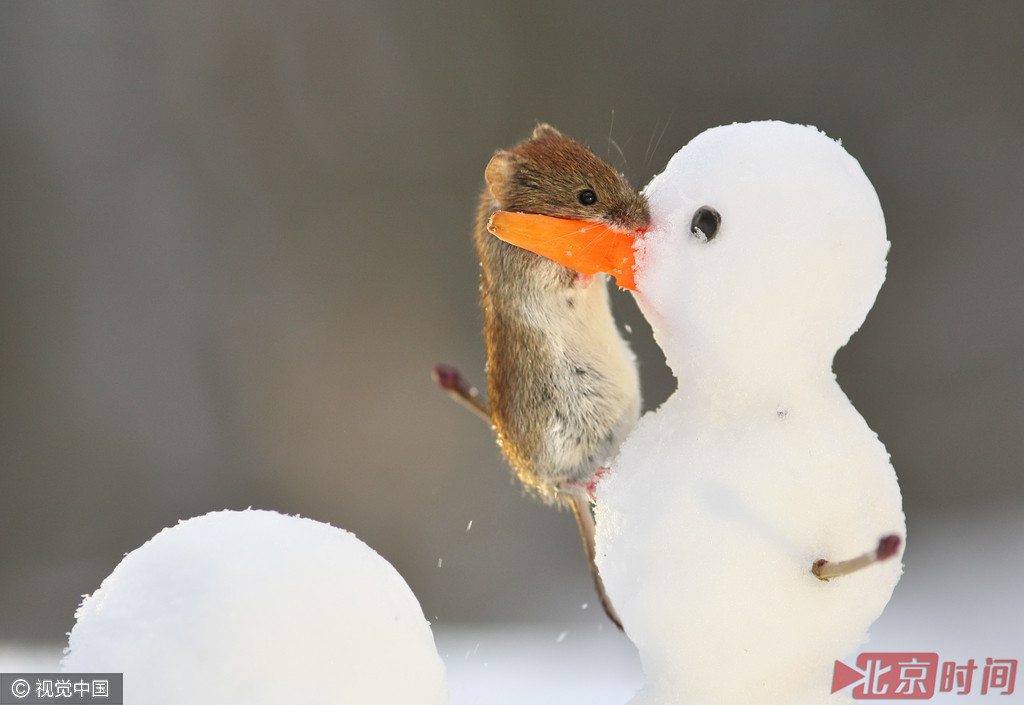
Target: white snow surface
(258, 607)
(960, 597)
(720, 501)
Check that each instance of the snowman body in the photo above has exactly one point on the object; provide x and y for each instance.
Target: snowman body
(720, 501)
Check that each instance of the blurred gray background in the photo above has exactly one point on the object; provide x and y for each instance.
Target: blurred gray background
(234, 240)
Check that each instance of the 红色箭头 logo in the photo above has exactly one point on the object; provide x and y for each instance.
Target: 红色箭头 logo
(919, 676)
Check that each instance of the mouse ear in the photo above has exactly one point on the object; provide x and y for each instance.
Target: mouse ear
(499, 173)
(544, 130)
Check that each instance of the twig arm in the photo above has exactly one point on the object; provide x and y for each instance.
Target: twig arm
(888, 546)
(455, 386)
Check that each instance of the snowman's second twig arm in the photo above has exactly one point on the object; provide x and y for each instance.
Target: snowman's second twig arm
(455, 385)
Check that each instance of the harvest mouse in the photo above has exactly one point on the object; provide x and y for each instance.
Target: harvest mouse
(562, 383)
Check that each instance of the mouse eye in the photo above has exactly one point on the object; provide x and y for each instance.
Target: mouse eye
(705, 224)
(587, 197)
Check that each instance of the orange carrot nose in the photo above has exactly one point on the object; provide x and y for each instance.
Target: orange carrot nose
(580, 245)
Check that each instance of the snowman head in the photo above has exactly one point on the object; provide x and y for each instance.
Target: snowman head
(767, 248)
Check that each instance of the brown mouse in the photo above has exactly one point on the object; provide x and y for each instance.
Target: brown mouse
(562, 383)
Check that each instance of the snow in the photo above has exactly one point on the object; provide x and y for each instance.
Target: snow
(950, 601)
(720, 501)
(258, 607)
(517, 664)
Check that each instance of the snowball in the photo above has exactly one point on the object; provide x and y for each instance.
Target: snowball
(258, 607)
(720, 501)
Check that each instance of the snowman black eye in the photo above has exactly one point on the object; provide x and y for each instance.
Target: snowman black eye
(705, 224)
(587, 197)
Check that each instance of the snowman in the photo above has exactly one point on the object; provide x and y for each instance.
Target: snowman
(724, 523)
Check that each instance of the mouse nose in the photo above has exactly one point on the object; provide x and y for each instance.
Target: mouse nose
(632, 215)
